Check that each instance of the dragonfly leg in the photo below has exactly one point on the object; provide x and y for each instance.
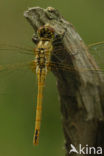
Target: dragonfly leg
(35, 39)
(33, 66)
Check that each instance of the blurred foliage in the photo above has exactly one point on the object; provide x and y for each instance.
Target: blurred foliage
(18, 98)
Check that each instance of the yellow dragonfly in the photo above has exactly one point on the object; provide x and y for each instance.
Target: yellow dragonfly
(42, 63)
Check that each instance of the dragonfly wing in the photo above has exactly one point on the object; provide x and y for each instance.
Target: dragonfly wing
(9, 54)
(4, 48)
(14, 71)
(63, 67)
(97, 51)
(16, 66)
(12, 64)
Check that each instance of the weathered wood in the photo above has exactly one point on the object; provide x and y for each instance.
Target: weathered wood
(81, 90)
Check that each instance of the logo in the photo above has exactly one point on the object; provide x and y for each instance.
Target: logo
(85, 150)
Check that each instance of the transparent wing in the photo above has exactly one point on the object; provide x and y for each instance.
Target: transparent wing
(17, 66)
(17, 71)
(5, 48)
(10, 73)
(97, 51)
(10, 54)
(64, 67)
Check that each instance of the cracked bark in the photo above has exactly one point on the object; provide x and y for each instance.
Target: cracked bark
(81, 91)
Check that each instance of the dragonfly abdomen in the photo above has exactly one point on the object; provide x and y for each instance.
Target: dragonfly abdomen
(41, 76)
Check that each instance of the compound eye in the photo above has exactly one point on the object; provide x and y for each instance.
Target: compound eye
(46, 32)
(49, 34)
(41, 32)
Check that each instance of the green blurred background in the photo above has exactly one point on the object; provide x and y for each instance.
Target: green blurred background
(18, 89)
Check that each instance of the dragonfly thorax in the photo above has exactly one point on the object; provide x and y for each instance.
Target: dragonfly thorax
(43, 52)
(43, 55)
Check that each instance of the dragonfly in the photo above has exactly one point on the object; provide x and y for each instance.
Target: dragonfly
(42, 63)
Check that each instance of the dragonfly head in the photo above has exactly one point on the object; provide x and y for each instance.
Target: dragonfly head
(46, 32)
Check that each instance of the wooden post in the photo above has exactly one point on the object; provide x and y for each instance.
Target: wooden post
(81, 90)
